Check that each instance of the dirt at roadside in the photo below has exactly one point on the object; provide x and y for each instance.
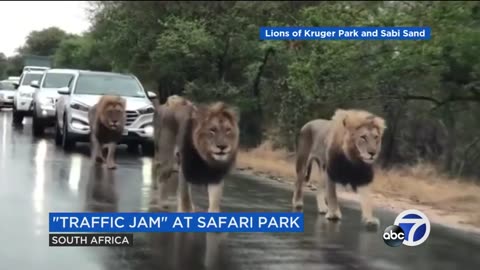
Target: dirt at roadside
(451, 202)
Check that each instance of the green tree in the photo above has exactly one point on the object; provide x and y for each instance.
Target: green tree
(80, 52)
(15, 65)
(43, 42)
(3, 65)
(428, 91)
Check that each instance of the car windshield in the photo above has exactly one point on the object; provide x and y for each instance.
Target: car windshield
(30, 77)
(7, 86)
(106, 84)
(56, 80)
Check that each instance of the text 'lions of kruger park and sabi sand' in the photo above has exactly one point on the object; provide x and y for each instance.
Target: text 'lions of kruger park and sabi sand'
(344, 149)
(204, 140)
(107, 121)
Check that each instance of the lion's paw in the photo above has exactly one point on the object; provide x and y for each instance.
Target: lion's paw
(111, 166)
(333, 215)
(297, 205)
(322, 207)
(99, 159)
(186, 209)
(371, 223)
(322, 210)
(181, 210)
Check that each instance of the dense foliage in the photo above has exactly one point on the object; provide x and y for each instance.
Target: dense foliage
(428, 91)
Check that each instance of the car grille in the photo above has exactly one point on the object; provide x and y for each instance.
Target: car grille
(10, 97)
(131, 117)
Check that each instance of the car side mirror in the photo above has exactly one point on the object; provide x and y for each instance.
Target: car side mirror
(63, 91)
(35, 84)
(16, 85)
(151, 95)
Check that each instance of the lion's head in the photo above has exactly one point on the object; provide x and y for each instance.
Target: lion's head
(216, 133)
(111, 112)
(359, 133)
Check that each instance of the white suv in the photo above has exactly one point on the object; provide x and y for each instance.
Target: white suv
(84, 91)
(22, 101)
(34, 68)
(46, 95)
(7, 92)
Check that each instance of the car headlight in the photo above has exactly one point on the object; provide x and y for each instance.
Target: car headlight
(149, 131)
(146, 110)
(80, 107)
(27, 95)
(45, 101)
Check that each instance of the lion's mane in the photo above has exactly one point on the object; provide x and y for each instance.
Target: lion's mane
(99, 118)
(195, 164)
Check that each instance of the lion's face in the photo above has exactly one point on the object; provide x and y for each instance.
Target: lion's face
(361, 133)
(114, 116)
(221, 139)
(367, 141)
(216, 135)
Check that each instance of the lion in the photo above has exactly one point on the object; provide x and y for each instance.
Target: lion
(203, 141)
(344, 149)
(107, 121)
(172, 102)
(176, 100)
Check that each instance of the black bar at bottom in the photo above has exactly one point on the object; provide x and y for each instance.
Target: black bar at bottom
(90, 240)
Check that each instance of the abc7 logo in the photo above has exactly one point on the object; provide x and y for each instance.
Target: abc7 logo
(411, 228)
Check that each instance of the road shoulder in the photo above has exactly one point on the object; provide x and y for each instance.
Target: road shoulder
(436, 216)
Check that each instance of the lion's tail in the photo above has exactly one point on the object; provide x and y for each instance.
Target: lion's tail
(156, 103)
(308, 171)
(304, 162)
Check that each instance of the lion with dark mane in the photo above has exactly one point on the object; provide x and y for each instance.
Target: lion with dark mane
(201, 142)
(344, 149)
(107, 121)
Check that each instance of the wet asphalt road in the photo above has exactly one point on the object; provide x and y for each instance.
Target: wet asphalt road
(37, 178)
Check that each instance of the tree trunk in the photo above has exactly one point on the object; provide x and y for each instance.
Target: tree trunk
(449, 119)
(256, 83)
(392, 119)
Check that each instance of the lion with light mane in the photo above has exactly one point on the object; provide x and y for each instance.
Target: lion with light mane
(199, 144)
(169, 166)
(344, 149)
(107, 121)
(176, 100)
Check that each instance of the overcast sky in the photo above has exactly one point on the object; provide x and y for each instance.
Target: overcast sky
(18, 19)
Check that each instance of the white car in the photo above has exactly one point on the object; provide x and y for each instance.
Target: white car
(34, 68)
(84, 91)
(7, 92)
(14, 79)
(22, 101)
(46, 95)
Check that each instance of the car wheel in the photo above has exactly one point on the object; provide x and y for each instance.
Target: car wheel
(37, 127)
(58, 134)
(148, 149)
(132, 148)
(67, 142)
(17, 116)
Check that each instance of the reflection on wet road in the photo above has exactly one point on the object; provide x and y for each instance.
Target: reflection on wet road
(38, 178)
